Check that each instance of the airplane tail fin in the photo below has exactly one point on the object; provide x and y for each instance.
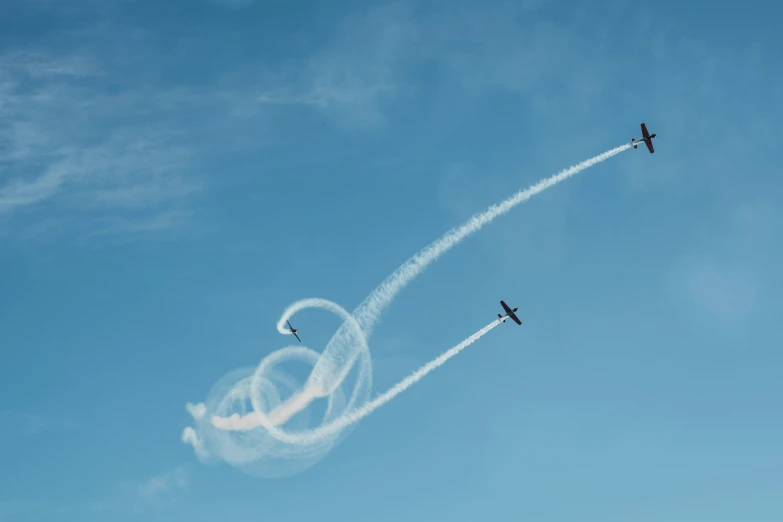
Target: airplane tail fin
(633, 142)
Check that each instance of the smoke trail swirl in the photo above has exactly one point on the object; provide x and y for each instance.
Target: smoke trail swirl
(240, 422)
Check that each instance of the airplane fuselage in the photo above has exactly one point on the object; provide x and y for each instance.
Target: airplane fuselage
(636, 142)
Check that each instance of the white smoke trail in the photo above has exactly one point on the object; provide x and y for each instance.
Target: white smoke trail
(257, 419)
(268, 445)
(339, 355)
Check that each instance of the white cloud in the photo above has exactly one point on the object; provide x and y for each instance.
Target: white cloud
(164, 487)
(156, 493)
(87, 148)
(350, 78)
(40, 65)
(71, 146)
(18, 192)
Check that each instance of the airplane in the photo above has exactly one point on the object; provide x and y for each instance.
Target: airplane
(509, 313)
(646, 138)
(293, 331)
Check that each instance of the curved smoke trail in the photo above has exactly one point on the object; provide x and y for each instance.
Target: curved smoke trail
(258, 419)
(250, 439)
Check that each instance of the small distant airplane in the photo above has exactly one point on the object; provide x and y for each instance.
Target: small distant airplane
(646, 138)
(293, 331)
(509, 313)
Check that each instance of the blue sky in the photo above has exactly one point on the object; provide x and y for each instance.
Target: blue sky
(173, 176)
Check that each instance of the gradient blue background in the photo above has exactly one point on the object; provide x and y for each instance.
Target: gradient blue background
(173, 174)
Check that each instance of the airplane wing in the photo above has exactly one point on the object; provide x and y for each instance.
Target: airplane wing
(297, 338)
(644, 131)
(289, 325)
(649, 146)
(505, 307)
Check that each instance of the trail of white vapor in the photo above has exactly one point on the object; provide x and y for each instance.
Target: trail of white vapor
(254, 420)
(339, 355)
(346, 349)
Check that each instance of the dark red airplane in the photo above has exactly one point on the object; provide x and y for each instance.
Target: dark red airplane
(646, 138)
(509, 313)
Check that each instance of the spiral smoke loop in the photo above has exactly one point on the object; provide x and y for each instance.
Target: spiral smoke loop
(241, 420)
(266, 388)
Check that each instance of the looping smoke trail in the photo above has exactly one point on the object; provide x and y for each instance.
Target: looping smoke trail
(258, 419)
(258, 452)
(250, 438)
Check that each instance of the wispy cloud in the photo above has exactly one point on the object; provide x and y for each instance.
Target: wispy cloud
(70, 145)
(337, 88)
(41, 65)
(351, 76)
(160, 489)
(95, 143)
(164, 220)
(153, 494)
